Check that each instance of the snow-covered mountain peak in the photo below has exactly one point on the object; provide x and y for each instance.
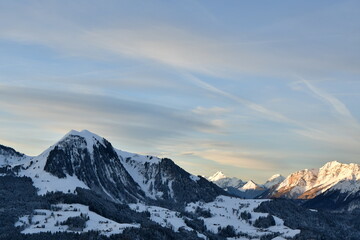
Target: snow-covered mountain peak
(274, 180)
(332, 164)
(334, 172)
(82, 139)
(273, 177)
(250, 185)
(217, 176)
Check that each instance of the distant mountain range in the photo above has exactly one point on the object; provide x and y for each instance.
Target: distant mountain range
(83, 185)
(335, 183)
(243, 189)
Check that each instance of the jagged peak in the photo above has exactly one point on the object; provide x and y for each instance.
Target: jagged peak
(331, 164)
(217, 176)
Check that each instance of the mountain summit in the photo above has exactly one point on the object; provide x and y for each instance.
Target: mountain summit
(251, 185)
(217, 176)
(273, 181)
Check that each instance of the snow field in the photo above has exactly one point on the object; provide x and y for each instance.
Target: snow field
(226, 211)
(43, 220)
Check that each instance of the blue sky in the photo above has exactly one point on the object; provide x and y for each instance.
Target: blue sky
(251, 88)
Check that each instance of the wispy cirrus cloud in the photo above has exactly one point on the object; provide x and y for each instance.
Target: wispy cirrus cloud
(249, 104)
(173, 43)
(339, 107)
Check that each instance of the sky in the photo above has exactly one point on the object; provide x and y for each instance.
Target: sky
(250, 88)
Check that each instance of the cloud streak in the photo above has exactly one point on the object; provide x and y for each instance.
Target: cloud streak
(335, 103)
(251, 105)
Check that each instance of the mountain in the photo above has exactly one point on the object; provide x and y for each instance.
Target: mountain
(251, 185)
(9, 156)
(217, 176)
(82, 187)
(86, 160)
(162, 179)
(237, 187)
(273, 181)
(10, 160)
(270, 185)
(307, 184)
(224, 182)
(343, 196)
(250, 189)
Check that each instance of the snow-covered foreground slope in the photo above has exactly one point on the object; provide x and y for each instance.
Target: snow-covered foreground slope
(43, 220)
(227, 211)
(162, 216)
(224, 211)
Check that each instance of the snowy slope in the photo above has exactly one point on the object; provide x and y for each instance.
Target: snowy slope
(43, 220)
(162, 216)
(162, 179)
(143, 170)
(224, 211)
(227, 211)
(343, 196)
(10, 157)
(33, 167)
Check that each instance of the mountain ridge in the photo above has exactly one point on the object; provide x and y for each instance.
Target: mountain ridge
(86, 160)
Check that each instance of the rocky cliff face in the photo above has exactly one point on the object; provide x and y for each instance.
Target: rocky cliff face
(93, 161)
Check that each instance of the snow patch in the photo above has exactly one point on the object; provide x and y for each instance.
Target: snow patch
(194, 178)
